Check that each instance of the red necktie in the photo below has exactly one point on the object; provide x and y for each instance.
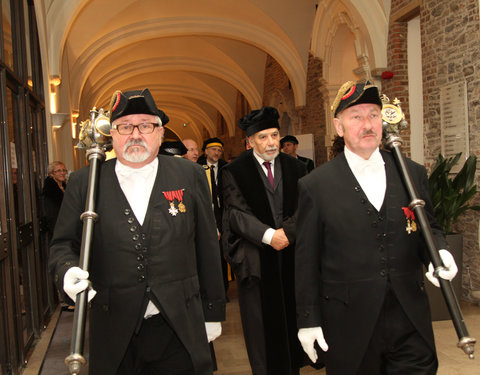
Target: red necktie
(269, 172)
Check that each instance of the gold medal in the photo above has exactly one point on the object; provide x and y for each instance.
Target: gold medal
(181, 208)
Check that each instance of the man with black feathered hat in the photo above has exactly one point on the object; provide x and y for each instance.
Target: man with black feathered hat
(156, 289)
(260, 201)
(359, 255)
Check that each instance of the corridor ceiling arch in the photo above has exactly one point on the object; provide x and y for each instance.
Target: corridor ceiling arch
(162, 38)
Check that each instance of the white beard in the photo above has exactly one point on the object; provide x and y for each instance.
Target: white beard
(136, 156)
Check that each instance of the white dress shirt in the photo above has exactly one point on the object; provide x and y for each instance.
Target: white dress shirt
(137, 185)
(370, 174)
(268, 235)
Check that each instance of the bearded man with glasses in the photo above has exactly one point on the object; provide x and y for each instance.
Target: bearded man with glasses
(156, 292)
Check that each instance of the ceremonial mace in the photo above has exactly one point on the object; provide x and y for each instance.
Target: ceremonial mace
(393, 122)
(95, 137)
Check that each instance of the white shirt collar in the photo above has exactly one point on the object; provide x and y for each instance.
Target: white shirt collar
(357, 163)
(125, 170)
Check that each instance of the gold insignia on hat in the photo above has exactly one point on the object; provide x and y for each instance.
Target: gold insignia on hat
(115, 100)
(342, 91)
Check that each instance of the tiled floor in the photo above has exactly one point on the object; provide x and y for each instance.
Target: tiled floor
(230, 349)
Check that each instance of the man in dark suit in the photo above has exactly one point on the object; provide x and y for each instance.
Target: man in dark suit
(359, 255)
(154, 260)
(212, 163)
(260, 194)
(289, 145)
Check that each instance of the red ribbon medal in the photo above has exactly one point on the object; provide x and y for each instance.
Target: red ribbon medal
(410, 216)
(171, 196)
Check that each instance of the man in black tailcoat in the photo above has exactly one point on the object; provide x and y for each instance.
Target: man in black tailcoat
(360, 256)
(154, 260)
(260, 195)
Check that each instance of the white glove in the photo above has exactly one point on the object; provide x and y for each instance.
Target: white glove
(307, 337)
(214, 329)
(447, 274)
(76, 281)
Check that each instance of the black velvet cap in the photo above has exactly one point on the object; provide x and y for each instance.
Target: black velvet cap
(289, 138)
(259, 119)
(212, 142)
(172, 148)
(135, 102)
(353, 93)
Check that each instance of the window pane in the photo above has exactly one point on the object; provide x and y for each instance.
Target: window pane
(7, 34)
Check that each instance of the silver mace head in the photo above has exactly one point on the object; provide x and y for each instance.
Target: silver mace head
(95, 132)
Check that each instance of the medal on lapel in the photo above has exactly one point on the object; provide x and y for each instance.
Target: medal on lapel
(410, 216)
(179, 196)
(170, 198)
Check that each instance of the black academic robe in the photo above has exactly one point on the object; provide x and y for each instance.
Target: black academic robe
(247, 214)
(171, 260)
(348, 254)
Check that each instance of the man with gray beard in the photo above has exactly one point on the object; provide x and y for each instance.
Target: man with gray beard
(260, 201)
(155, 281)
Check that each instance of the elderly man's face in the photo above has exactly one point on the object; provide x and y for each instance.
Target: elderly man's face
(192, 150)
(266, 143)
(361, 127)
(136, 149)
(213, 154)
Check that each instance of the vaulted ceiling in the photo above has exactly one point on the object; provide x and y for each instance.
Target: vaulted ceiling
(196, 56)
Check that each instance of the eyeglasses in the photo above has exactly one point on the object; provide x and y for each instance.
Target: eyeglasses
(60, 171)
(127, 129)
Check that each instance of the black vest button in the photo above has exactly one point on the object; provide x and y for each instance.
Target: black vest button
(382, 273)
(130, 220)
(126, 212)
(141, 278)
(135, 237)
(138, 246)
(133, 228)
(357, 188)
(140, 267)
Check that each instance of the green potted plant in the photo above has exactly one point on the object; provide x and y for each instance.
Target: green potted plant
(451, 196)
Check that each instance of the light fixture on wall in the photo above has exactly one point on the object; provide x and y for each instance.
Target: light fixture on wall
(74, 124)
(54, 83)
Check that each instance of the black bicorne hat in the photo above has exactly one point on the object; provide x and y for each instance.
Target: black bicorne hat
(135, 102)
(353, 93)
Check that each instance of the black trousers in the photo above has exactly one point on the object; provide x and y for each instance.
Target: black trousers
(156, 350)
(396, 347)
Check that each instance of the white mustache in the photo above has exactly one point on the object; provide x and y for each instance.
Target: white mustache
(135, 142)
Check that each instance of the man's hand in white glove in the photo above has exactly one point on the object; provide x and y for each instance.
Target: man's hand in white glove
(448, 273)
(307, 337)
(76, 281)
(214, 329)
